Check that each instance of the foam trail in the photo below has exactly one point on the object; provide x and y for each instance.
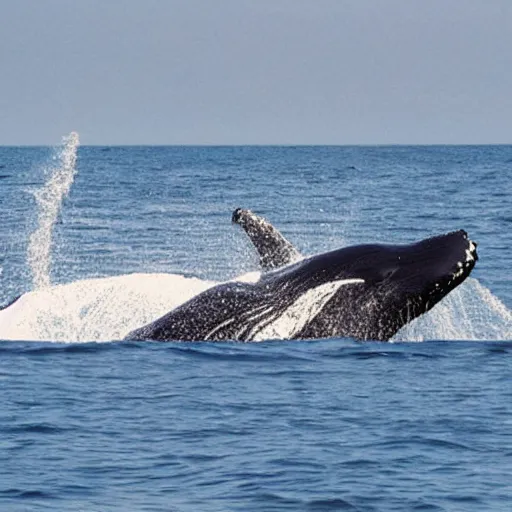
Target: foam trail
(49, 199)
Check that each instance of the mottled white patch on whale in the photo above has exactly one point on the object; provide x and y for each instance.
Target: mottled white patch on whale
(303, 310)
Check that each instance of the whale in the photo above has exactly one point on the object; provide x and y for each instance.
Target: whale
(363, 292)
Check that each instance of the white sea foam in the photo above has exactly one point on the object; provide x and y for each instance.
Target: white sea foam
(102, 309)
(249, 277)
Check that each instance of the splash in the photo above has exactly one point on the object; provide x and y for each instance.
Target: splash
(470, 312)
(102, 309)
(49, 199)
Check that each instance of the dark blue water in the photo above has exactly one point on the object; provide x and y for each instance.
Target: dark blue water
(280, 425)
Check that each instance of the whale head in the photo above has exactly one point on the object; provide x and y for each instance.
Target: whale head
(430, 268)
(392, 284)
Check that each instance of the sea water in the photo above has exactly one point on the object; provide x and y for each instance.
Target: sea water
(100, 240)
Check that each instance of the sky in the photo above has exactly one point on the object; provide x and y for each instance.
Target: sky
(256, 71)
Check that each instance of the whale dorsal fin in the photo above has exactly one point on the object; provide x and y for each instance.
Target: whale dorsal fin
(273, 248)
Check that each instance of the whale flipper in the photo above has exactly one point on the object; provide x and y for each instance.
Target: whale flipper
(273, 248)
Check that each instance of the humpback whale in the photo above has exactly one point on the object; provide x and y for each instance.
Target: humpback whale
(365, 292)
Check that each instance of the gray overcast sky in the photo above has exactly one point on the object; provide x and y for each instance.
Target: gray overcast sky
(256, 72)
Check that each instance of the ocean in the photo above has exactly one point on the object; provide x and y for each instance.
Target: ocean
(100, 240)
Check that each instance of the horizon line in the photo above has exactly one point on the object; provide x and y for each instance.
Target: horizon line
(289, 145)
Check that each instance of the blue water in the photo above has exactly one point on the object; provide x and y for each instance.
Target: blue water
(279, 425)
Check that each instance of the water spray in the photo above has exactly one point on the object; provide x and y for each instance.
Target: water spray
(49, 200)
